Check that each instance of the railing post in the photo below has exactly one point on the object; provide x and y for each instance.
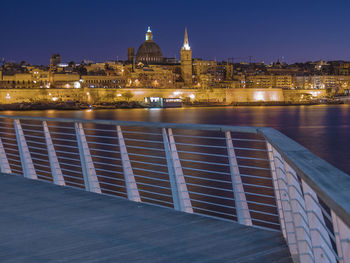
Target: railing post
(342, 238)
(54, 164)
(130, 182)
(180, 179)
(321, 242)
(26, 159)
(179, 190)
(89, 172)
(4, 163)
(242, 209)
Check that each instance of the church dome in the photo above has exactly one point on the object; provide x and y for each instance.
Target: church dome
(149, 52)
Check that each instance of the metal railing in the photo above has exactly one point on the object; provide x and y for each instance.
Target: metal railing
(255, 176)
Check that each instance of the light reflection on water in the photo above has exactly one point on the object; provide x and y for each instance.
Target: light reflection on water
(325, 130)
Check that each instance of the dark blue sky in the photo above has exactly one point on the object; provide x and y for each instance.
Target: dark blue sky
(102, 30)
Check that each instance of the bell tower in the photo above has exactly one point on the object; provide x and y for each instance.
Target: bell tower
(186, 61)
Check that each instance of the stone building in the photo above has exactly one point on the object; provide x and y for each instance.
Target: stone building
(186, 61)
(131, 55)
(201, 66)
(152, 76)
(55, 59)
(149, 52)
(269, 81)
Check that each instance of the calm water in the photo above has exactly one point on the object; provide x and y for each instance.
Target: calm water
(325, 130)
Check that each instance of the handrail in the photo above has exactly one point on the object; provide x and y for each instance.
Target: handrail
(186, 126)
(330, 184)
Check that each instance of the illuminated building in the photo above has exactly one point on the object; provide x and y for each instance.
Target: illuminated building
(64, 80)
(201, 66)
(283, 81)
(259, 81)
(152, 76)
(33, 78)
(149, 52)
(269, 81)
(91, 81)
(186, 61)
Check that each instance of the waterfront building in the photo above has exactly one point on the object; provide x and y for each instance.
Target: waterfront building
(259, 81)
(65, 80)
(308, 82)
(335, 83)
(269, 81)
(33, 77)
(283, 81)
(106, 81)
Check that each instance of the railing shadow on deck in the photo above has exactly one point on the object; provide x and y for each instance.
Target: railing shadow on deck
(255, 176)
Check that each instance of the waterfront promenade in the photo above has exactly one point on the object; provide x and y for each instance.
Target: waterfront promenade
(41, 222)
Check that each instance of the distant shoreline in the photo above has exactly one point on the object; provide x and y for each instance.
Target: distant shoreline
(75, 105)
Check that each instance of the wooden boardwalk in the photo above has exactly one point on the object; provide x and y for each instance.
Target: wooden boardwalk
(41, 222)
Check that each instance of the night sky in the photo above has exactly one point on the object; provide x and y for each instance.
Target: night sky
(103, 30)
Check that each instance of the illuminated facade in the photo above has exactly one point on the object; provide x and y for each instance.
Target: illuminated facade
(34, 78)
(186, 61)
(90, 81)
(149, 52)
(201, 66)
(152, 76)
(269, 81)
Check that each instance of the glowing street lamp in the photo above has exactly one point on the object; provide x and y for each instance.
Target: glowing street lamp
(77, 85)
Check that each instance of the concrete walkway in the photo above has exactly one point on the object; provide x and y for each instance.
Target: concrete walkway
(41, 222)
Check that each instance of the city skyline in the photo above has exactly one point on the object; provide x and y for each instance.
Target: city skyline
(267, 31)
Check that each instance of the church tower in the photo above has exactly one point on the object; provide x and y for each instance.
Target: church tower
(186, 61)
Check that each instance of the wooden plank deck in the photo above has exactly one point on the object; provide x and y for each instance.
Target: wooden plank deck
(41, 222)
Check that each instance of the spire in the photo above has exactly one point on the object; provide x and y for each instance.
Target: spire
(186, 45)
(149, 36)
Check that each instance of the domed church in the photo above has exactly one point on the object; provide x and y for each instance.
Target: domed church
(149, 52)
